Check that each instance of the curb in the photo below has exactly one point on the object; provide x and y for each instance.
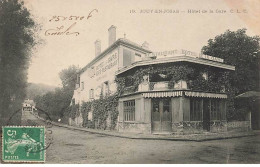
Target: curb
(152, 137)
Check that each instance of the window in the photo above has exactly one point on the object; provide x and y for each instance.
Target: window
(129, 110)
(215, 109)
(127, 57)
(195, 109)
(91, 93)
(82, 85)
(106, 88)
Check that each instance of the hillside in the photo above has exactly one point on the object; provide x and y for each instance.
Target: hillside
(34, 89)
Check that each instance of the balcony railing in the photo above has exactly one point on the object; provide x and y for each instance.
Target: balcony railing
(150, 86)
(161, 85)
(130, 89)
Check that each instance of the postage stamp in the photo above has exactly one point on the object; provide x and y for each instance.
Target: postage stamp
(23, 144)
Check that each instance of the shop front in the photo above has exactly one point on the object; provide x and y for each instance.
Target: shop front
(175, 111)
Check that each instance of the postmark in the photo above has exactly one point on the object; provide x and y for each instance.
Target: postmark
(23, 144)
(38, 118)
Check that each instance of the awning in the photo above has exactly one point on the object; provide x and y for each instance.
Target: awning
(186, 93)
(204, 94)
(162, 94)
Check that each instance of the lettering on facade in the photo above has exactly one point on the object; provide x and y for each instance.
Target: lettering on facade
(103, 66)
(186, 53)
(211, 58)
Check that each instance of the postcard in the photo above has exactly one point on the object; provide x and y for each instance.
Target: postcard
(130, 82)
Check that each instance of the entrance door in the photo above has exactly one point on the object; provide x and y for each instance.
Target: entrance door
(161, 115)
(206, 114)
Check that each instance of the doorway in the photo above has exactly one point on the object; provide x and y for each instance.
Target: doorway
(161, 115)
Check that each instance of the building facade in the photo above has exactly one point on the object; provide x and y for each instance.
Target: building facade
(98, 76)
(168, 100)
(175, 91)
(28, 109)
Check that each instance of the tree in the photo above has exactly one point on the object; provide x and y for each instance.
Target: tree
(56, 103)
(242, 51)
(17, 39)
(69, 77)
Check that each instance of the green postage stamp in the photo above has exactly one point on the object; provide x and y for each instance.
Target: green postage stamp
(23, 144)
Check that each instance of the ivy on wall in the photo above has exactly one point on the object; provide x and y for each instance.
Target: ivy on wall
(102, 109)
(74, 111)
(85, 109)
(191, 74)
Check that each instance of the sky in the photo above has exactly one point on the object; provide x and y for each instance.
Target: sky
(163, 31)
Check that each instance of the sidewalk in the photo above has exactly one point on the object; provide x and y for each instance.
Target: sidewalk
(190, 137)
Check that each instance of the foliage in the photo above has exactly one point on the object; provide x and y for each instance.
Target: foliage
(57, 103)
(74, 112)
(35, 89)
(103, 108)
(18, 36)
(242, 51)
(69, 78)
(190, 73)
(85, 109)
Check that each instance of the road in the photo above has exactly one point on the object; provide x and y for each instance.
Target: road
(81, 147)
(72, 146)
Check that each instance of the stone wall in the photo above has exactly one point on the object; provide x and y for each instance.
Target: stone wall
(187, 127)
(135, 127)
(218, 126)
(238, 126)
(195, 127)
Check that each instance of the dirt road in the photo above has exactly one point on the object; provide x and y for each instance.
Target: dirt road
(81, 147)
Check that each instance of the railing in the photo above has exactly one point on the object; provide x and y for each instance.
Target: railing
(161, 85)
(150, 86)
(130, 89)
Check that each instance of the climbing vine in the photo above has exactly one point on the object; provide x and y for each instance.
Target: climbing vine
(85, 109)
(191, 74)
(74, 111)
(102, 109)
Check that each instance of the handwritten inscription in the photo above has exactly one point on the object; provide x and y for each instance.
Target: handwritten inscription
(63, 18)
(67, 30)
(62, 31)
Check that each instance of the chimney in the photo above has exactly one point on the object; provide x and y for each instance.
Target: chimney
(97, 47)
(145, 45)
(111, 35)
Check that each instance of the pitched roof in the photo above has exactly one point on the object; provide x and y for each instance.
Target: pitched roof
(120, 41)
(181, 58)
